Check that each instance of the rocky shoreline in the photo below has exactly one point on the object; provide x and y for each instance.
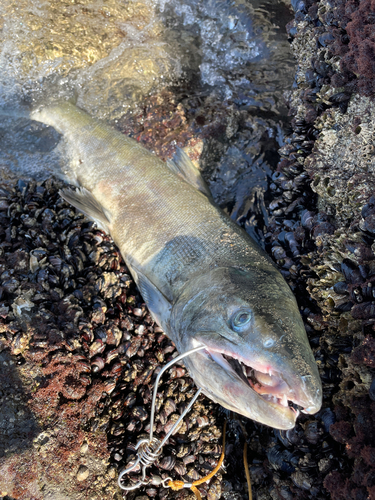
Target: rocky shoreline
(79, 351)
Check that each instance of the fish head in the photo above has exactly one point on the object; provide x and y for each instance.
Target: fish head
(256, 359)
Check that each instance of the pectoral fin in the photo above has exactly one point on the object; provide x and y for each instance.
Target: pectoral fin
(183, 166)
(84, 201)
(156, 301)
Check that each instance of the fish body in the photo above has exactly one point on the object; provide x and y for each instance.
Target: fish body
(205, 281)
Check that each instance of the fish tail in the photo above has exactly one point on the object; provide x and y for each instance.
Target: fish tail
(64, 117)
(69, 121)
(43, 158)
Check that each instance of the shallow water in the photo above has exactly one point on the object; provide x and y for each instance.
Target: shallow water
(110, 54)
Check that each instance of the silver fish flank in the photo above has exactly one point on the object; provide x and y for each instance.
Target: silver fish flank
(203, 278)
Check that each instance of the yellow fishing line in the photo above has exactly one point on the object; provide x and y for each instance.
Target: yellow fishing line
(247, 472)
(178, 485)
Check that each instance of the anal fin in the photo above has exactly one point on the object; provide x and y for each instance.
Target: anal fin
(85, 202)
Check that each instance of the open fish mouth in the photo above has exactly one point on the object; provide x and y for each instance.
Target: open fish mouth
(265, 382)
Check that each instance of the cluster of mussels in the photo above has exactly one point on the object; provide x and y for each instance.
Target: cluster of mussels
(316, 459)
(347, 321)
(89, 353)
(293, 464)
(326, 253)
(345, 30)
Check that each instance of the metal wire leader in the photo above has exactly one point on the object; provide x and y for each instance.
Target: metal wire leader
(149, 450)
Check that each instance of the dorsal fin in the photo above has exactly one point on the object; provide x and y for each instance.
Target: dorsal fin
(82, 199)
(184, 167)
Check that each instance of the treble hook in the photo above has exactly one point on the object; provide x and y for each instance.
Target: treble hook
(149, 450)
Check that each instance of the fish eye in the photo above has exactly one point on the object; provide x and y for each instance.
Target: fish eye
(240, 319)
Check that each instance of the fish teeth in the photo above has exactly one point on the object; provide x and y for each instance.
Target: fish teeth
(284, 400)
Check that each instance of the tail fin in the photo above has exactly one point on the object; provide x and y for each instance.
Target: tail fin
(29, 150)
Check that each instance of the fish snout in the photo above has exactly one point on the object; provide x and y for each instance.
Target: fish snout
(306, 393)
(311, 394)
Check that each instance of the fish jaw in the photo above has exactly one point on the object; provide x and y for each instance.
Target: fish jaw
(260, 393)
(222, 384)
